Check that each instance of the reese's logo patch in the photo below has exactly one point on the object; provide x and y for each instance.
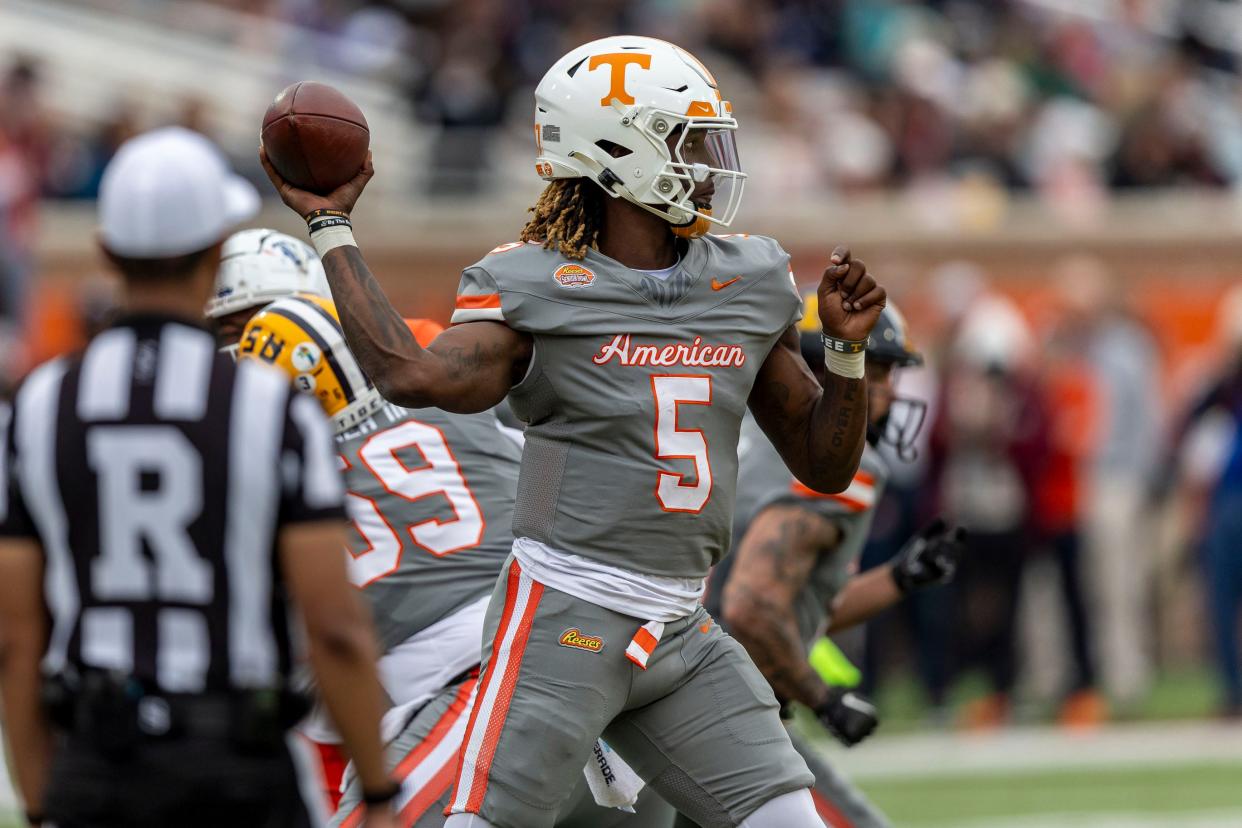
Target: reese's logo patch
(573, 276)
(573, 637)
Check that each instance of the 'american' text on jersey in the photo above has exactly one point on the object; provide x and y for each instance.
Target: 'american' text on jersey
(693, 355)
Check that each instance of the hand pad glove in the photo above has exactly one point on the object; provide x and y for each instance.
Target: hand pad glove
(848, 716)
(930, 557)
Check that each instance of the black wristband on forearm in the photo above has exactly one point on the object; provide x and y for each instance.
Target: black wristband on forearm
(314, 214)
(381, 797)
(843, 346)
(325, 222)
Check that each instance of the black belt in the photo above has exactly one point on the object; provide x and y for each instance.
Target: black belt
(116, 713)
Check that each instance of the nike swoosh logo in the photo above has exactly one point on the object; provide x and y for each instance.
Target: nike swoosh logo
(719, 285)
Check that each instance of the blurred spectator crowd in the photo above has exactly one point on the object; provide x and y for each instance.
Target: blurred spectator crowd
(1071, 99)
(1095, 506)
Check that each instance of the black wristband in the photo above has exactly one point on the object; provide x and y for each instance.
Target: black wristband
(843, 346)
(324, 223)
(381, 797)
(314, 214)
(34, 818)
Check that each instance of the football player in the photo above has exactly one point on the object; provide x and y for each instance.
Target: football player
(791, 574)
(431, 501)
(256, 267)
(630, 342)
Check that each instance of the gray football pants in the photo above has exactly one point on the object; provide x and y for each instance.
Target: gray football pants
(424, 757)
(837, 801)
(699, 724)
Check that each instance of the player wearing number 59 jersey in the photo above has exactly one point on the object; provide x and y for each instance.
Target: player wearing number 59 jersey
(631, 343)
(430, 498)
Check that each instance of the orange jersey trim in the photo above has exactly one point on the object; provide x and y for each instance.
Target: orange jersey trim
(478, 301)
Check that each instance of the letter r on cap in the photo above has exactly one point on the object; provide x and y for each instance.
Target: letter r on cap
(618, 61)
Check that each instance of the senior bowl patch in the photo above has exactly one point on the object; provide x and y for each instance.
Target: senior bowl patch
(573, 276)
(573, 637)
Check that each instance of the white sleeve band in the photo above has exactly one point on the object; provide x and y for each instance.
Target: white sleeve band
(846, 365)
(331, 237)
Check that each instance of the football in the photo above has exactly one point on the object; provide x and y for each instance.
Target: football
(315, 137)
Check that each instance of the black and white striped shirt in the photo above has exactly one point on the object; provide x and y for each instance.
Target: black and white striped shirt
(155, 474)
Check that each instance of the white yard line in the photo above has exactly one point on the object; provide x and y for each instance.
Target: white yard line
(1032, 749)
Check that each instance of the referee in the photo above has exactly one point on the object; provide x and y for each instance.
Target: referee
(161, 511)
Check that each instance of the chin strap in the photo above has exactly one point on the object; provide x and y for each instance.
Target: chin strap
(616, 187)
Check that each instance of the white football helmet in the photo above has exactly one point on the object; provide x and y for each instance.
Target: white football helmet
(260, 266)
(633, 93)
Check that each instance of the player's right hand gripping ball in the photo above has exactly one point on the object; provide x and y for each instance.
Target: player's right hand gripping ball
(849, 716)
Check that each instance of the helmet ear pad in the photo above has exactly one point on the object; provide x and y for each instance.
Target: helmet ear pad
(693, 229)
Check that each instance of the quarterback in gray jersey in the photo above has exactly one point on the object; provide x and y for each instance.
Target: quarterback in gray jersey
(792, 574)
(631, 343)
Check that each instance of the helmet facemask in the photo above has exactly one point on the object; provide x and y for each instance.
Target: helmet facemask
(900, 426)
(704, 152)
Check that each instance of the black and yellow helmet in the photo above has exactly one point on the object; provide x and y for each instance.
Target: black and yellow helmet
(302, 336)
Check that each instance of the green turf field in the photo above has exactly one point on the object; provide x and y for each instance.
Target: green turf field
(1153, 795)
(1163, 766)
(1199, 795)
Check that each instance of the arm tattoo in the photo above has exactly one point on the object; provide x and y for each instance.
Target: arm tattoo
(819, 432)
(376, 333)
(771, 571)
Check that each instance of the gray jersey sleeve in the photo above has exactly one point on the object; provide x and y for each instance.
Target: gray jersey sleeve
(478, 298)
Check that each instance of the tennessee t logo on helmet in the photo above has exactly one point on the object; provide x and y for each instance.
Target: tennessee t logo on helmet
(618, 61)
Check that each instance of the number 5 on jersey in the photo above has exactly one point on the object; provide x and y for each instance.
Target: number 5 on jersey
(440, 475)
(673, 443)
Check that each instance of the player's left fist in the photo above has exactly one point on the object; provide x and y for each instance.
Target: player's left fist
(850, 301)
(930, 557)
(849, 716)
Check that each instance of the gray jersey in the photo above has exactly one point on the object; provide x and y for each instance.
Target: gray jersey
(635, 393)
(431, 499)
(765, 480)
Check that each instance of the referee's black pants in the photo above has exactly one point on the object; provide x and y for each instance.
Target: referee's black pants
(186, 783)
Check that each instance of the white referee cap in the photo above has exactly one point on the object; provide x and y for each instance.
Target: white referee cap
(170, 192)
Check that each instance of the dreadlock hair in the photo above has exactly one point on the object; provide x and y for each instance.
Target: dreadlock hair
(567, 217)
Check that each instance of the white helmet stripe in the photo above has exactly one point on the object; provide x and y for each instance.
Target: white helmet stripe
(339, 335)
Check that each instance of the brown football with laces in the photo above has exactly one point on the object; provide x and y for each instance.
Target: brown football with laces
(315, 137)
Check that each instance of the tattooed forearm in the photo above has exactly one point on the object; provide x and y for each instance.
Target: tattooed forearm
(376, 333)
(770, 636)
(819, 432)
(838, 428)
(774, 560)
